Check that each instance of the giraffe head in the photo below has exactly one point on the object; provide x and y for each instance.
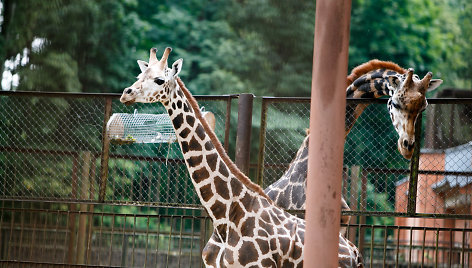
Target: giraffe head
(405, 104)
(155, 82)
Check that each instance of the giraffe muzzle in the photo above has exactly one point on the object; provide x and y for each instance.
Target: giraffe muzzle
(406, 147)
(127, 97)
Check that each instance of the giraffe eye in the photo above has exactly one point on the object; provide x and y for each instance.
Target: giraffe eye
(159, 80)
(396, 106)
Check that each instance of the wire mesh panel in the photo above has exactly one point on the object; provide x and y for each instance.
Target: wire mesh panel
(45, 233)
(286, 123)
(51, 148)
(372, 163)
(43, 143)
(156, 172)
(445, 166)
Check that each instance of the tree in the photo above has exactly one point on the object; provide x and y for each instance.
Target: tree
(77, 46)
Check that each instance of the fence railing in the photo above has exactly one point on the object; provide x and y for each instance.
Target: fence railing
(53, 147)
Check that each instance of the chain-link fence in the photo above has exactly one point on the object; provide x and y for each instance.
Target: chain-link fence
(376, 175)
(49, 233)
(68, 195)
(51, 148)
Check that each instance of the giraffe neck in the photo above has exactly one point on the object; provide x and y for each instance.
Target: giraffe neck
(213, 175)
(374, 84)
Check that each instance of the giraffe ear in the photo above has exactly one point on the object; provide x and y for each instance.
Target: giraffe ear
(433, 84)
(176, 67)
(142, 65)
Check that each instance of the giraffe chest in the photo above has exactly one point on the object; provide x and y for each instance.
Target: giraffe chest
(270, 239)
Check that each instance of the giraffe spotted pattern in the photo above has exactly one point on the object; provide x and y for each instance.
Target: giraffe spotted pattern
(373, 79)
(251, 231)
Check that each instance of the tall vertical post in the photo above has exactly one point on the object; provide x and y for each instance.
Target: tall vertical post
(84, 193)
(328, 102)
(414, 166)
(243, 135)
(73, 211)
(355, 173)
(105, 152)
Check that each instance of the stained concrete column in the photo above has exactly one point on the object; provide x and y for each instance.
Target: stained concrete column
(328, 103)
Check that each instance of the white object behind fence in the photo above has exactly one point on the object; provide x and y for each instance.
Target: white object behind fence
(123, 128)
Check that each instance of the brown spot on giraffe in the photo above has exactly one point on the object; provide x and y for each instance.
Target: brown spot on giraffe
(218, 209)
(263, 245)
(247, 253)
(223, 169)
(206, 192)
(184, 133)
(235, 213)
(233, 237)
(221, 187)
(212, 161)
(236, 187)
(194, 145)
(200, 175)
(209, 146)
(200, 132)
(247, 228)
(195, 161)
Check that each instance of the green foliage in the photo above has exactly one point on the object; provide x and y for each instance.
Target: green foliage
(401, 31)
(79, 46)
(262, 46)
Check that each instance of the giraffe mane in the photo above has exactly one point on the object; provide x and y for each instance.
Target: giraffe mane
(373, 65)
(219, 148)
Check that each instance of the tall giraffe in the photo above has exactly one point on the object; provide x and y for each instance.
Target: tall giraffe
(371, 79)
(251, 230)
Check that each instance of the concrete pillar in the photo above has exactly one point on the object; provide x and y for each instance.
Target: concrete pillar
(328, 102)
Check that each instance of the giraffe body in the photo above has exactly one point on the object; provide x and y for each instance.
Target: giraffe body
(373, 79)
(251, 231)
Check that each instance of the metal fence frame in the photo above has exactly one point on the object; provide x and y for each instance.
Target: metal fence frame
(356, 230)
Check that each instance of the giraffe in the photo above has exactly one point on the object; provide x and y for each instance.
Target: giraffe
(250, 229)
(371, 79)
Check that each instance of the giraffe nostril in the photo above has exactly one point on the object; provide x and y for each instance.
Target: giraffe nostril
(128, 91)
(411, 146)
(405, 143)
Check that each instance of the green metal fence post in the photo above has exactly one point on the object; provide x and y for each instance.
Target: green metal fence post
(243, 134)
(262, 137)
(414, 166)
(105, 151)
